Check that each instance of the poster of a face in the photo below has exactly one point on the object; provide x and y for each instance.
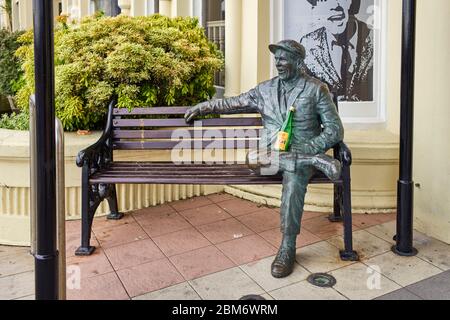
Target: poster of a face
(339, 42)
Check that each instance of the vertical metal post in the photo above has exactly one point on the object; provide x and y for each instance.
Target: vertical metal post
(61, 208)
(404, 245)
(156, 6)
(46, 255)
(33, 171)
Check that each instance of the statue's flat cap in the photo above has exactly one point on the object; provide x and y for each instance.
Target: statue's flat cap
(291, 46)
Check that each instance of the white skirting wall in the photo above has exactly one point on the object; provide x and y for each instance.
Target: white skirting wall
(15, 190)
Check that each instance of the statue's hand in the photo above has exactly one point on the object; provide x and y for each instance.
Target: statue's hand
(194, 112)
(191, 114)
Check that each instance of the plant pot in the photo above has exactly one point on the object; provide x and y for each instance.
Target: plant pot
(84, 132)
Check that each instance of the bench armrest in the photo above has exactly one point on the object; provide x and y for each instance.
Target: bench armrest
(95, 153)
(343, 154)
(100, 153)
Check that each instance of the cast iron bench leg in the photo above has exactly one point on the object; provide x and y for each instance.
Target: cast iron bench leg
(88, 208)
(112, 201)
(348, 254)
(336, 216)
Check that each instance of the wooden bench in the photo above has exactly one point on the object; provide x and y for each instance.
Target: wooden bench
(153, 129)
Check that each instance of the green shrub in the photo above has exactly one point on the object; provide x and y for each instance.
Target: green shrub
(144, 61)
(15, 121)
(10, 71)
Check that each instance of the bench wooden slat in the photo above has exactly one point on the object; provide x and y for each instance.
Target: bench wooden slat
(150, 111)
(168, 134)
(188, 144)
(208, 180)
(218, 122)
(172, 166)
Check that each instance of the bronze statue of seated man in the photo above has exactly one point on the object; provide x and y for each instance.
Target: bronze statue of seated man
(316, 127)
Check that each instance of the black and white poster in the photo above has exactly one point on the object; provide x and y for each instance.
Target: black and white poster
(339, 40)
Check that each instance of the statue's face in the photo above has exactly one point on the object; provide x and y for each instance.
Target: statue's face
(336, 14)
(287, 64)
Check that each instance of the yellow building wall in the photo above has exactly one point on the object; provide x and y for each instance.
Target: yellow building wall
(432, 116)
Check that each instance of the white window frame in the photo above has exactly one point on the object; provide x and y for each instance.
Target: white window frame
(197, 9)
(376, 109)
(149, 7)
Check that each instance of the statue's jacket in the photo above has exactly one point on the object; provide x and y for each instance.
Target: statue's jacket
(316, 126)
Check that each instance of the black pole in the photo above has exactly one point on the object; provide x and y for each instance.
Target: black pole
(405, 196)
(46, 255)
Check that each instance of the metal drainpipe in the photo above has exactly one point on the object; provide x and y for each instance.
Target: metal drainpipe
(405, 196)
(46, 255)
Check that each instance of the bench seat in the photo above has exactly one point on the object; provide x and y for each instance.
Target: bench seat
(170, 173)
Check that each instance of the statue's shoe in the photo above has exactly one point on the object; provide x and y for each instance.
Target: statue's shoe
(283, 265)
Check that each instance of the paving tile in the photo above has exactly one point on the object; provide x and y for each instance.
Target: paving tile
(161, 224)
(219, 197)
(323, 228)
(73, 241)
(366, 244)
(305, 291)
(111, 237)
(358, 282)
(102, 287)
(133, 254)
(239, 207)
(435, 288)
(181, 241)
(198, 263)
(307, 215)
(267, 296)
(101, 223)
(402, 270)
(274, 237)
(155, 211)
(259, 271)
(433, 251)
(398, 295)
(149, 277)
(182, 291)
(12, 250)
(231, 284)
(320, 257)
(247, 249)
(385, 231)
(224, 230)
(94, 265)
(192, 203)
(73, 226)
(30, 297)
(368, 220)
(204, 215)
(19, 262)
(262, 220)
(17, 286)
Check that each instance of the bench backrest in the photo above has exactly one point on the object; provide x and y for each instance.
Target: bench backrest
(163, 128)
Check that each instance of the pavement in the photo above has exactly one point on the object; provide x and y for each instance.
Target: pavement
(221, 247)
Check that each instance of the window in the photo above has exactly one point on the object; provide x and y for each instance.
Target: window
(109, 7)
(343, 41)
(151, 7)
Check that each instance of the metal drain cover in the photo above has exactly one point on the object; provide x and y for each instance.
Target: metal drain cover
(322, 280)
(252, 297)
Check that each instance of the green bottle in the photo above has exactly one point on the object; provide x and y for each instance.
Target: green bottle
(285, 134)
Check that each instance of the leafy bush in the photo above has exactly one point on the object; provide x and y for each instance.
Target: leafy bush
(144, 61)
(15, 121)
(10, 71)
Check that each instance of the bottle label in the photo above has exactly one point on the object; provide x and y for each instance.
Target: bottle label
(282, 140)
